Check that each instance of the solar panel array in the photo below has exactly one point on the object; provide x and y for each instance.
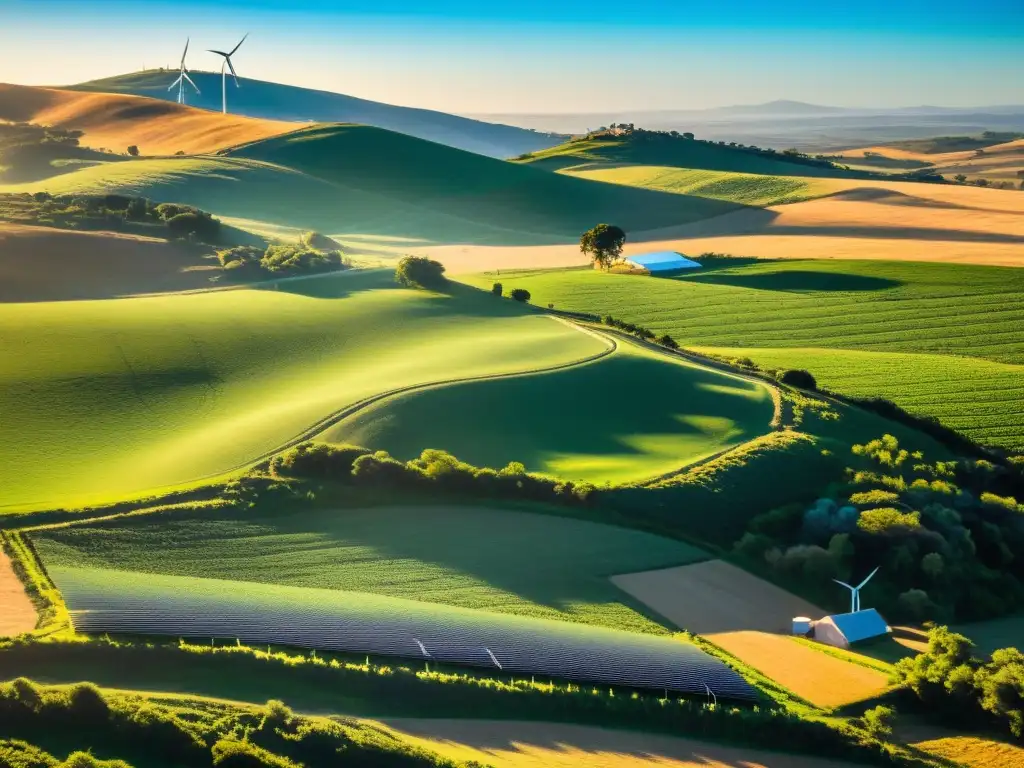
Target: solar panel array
(143, 604)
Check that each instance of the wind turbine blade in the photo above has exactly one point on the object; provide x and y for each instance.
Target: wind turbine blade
(183, 55)
(189, 79)
(239, 45)
(219, 53)
(837, 581)
(868, 578)
(176, 82)
(233, 73)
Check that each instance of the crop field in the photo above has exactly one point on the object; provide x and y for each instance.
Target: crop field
(627, 417)
(17, 614)
(940, 339)
(146, 604)
(511, 744)
(975, 752)
(103, 399)
(745, 188)
(749, 618)
(510, 562)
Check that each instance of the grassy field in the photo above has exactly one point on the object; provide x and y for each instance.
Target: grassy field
(628, 417)
(989, 636)
(106, 398)
(460, 556)
(745, 188)
(366, 181)
(937, 339)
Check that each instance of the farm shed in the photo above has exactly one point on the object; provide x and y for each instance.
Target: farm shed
(844, 629)
(663, 261)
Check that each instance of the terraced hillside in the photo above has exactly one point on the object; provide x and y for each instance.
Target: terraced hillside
(942, 340)
(104, 398)
(356, 180)
(276, 101)
(630, 417)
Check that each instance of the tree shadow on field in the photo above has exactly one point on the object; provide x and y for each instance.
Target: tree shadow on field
(796, 281)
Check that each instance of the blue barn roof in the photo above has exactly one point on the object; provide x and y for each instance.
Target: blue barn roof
(860, 625)
(663, 261)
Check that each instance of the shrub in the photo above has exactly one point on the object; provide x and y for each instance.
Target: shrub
(319, 242)
(520, 294)
(667, 341)
(133, 151)
(239, 257)
(888, 520)
(420, 272)
(292, 259)
(798, 378)
(232, 753)
(318, 460)
(198, 225)
(497, 289)
(86, 703)
(878, 721)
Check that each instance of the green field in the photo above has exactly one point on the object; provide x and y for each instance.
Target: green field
(628, 417)
(357, 180)
(102, 399)
(938, 339)
(510, 562)
(745, 188)
(991, 635)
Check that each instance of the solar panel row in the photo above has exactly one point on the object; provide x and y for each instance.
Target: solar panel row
(343, 621)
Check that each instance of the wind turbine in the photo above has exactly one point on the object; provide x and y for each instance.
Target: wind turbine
(183, 78)
(224, 74)
(855, 591)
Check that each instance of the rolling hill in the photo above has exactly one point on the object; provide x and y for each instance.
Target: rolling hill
(995, 157)
(115, 121)
(276, 101)
(358, 180)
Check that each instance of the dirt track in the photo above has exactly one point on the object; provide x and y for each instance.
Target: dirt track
(114, 121)
(509, 744)
(17, 614)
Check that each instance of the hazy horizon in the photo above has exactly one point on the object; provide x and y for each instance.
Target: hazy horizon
(533, 58)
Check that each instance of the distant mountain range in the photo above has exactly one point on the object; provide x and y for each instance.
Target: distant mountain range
(275, 101)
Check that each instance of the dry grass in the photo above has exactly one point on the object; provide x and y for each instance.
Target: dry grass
(93, 265)
(748, 617)
(17, 613)
(863, 220)
(997, 162)
(114, 121)
(975, 752)
(505, 744)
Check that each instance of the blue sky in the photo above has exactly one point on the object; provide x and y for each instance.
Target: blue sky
(548, 55)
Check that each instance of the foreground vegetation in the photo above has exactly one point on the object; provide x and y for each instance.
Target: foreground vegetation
(939, 340)
(80, 726)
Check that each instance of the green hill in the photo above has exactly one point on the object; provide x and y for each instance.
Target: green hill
(663, 149)
(103, 399)
(344, 179)
(257, 98)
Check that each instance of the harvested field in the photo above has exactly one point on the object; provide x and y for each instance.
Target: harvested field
(93, 265)
(715, 597)
(888, 221)
(510, 744)
(17, 614)
(114, 121)
(745, 616)
(975, 752)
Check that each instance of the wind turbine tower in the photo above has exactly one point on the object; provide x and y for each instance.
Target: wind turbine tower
(183, 78)
(855, 591)
(224, 73)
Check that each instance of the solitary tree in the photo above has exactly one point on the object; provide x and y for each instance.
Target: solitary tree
(520, 294)
(603, 244)
(420, 272)
(496, 289)
(133, 151)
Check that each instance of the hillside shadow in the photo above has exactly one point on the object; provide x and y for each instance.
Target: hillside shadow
(795, 281)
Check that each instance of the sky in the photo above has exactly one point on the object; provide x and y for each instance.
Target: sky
(547, 56)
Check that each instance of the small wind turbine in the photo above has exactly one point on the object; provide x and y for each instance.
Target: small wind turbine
(855, 591)
(494, 659)
(183, 78)
(224, 73)
(423, 648)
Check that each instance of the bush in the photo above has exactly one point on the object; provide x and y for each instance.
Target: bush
(520, 294)
(497, 289)
(133, 151)
(878, 721)
(232, 753)
(298, 259)
(240, 257)
(195, 225)
(420, 272)
(86, 704)
(799, 379)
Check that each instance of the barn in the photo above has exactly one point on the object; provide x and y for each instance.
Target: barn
(662, 262)
(844, 629)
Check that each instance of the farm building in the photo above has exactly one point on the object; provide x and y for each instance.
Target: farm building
(844, 629)
(661, 262)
